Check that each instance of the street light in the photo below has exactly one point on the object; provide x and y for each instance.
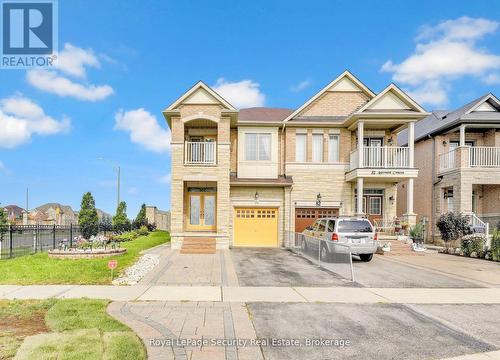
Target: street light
(117, 167)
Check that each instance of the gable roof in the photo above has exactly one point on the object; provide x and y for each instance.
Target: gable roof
(199, 92)
(391, 99)
(442, 120)
(263, 114)
(338, 84)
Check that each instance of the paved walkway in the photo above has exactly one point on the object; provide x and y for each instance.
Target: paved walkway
(230, 294)
(190, 330)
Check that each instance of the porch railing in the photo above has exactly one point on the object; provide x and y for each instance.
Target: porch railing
(200, 152)
(382, 157)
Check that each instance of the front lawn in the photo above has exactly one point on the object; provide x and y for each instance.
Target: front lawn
(69, 329)
(39, 269)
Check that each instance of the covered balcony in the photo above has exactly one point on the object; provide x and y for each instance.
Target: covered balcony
(200, 152)
(381, 157)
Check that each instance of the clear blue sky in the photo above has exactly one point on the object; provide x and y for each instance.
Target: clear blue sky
(145, 54)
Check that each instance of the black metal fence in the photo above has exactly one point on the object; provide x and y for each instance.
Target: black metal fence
(18, 240)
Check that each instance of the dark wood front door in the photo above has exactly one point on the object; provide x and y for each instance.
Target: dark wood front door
(307, 216)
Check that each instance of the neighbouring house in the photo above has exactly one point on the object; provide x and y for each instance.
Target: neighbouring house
(14, 214)
(158, 217)
(55, 214)
(246, 177)
(458, 156)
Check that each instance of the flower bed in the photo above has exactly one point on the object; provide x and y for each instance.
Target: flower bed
(85, 254)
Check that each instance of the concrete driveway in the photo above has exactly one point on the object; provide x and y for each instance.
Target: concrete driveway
(377, 331)
(278, 267)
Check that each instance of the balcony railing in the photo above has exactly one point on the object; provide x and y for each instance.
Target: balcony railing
(467, 156)
(382, 157)
(200, 152)
(483, 156)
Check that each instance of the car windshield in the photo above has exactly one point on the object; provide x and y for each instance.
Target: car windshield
(348, 226)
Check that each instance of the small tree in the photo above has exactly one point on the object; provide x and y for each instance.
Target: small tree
(4, 223)
(452, 226)
(120, 221)
(141, 219)
(87, 217)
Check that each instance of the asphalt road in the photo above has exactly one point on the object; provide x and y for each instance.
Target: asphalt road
(379, 331)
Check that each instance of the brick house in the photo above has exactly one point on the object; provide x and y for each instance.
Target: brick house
(246, 177)
(458, 156)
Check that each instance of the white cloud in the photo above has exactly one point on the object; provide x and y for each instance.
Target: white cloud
(2, 166)
(51, 82)
(21, 118)
(72, 61)
(301, 85)
(241, 94)
(166, 179)
(144, 129)
(444, 53)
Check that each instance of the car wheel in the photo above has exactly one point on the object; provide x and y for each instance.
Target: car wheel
(365, 257)
(303, 246)
(324, 253)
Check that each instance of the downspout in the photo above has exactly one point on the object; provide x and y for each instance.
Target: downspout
(434, 183)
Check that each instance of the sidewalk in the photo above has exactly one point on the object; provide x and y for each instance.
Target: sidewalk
(229, 294)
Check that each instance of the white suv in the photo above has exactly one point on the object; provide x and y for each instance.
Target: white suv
(356, 232)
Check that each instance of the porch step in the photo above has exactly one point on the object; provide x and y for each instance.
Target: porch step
(198, 246)
(398, 248)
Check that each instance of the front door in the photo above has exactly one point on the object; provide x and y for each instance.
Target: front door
(201, 211)
(374, 204)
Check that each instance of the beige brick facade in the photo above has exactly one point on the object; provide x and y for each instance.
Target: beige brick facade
(335, 104)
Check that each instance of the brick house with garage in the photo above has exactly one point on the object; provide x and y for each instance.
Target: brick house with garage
(458, 156)
(245, 177)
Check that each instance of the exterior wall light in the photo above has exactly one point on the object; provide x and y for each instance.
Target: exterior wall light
(318, 199)
(256, 196)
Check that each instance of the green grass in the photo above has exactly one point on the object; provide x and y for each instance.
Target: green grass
(66, 329)
(39, 269)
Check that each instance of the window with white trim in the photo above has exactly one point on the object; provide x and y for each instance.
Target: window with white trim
(257, 147)
(333, 148)
(317, 148)
(300, 147)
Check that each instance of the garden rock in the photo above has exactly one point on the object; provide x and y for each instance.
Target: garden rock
(133, 274)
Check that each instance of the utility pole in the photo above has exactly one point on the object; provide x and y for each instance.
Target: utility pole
(27, 200)
(118, 170)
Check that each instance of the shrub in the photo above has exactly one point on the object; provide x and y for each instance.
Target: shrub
(140, 219)
(142, 231)
(417, 232)
(151, 227)
(473, 243)
(495, 246)
(452, 226)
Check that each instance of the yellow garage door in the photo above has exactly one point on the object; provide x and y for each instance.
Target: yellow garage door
(256, 227)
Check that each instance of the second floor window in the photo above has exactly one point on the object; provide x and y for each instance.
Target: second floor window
(333, 148)
(317, 148)
(300, 147)
(257, 147)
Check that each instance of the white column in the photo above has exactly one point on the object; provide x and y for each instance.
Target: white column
(360, 196)
(411, 143)
(361, 137)
(410, 215)
(462, 135)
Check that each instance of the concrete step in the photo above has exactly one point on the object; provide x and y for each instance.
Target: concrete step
(197, 251)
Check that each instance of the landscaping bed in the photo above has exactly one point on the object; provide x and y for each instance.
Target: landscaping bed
(85, 254)
(39, 269)
(69, 329)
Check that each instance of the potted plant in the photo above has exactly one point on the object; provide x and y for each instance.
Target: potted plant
(417, 236)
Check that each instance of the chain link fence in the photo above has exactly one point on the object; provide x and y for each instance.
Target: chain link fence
(332, 256)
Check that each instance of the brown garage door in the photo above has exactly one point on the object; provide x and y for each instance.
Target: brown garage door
(306, 216)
